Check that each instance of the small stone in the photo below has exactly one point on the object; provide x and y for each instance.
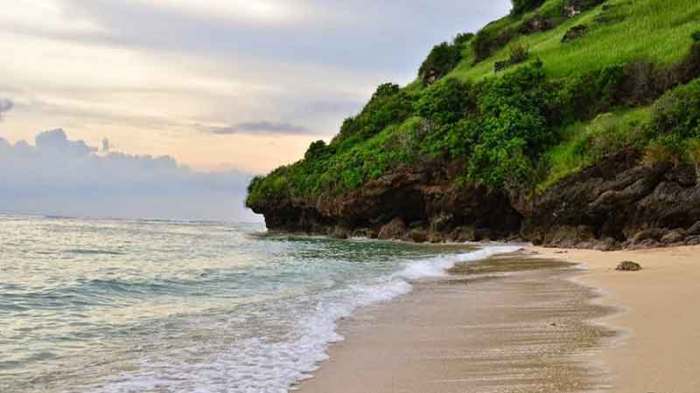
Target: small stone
(628, 266)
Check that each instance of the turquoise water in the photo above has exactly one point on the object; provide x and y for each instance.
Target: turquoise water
(163, 306)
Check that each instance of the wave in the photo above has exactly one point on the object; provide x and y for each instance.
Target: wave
(438, 266)
(263, 365)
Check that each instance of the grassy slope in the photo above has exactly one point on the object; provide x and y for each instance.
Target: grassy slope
(654, 30)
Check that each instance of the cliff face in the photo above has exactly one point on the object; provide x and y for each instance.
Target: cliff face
(619, 202)
(419, 203)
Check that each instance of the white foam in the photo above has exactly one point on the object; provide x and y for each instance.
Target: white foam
(438, 266)
(258, 365)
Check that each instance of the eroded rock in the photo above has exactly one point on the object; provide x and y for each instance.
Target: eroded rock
(628, 266)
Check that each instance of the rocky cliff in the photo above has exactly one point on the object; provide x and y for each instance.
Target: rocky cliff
(550, 125)
(618, 202)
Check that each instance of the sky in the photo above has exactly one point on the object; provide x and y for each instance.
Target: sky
(199, 95)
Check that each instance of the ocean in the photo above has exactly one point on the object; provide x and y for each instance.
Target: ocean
(116, 306)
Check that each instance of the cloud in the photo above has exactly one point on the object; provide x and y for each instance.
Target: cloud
(5, 106)
(178, 64)
(260, 127)
(60, 176)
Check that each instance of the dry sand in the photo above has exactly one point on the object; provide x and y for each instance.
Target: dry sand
(661, 352)
(525, 332)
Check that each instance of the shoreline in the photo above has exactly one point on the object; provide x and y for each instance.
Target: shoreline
(645, 333)
(445, 336)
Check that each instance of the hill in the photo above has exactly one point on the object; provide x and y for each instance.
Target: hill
(568, 122)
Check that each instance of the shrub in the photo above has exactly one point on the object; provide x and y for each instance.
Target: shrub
(388, 105)
(522, 6)
(446, 102)
(678, 112)
(442, 59)
(488, 41)
(518, 54)
(665, 149)
(316, 150)
(518, 112)
(696, 36)
(593, 92)
(462, 38)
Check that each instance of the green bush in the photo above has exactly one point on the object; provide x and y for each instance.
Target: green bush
(488, 41)
(446, 102)
(442, 59)
(522, 6)
(462, 38)
(518, 54)
(678, 112)
(584, 96)
(388, 105)
(518, 112)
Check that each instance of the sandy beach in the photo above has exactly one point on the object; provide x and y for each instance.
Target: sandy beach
(660, 351)
(485, 331)
(555, 328)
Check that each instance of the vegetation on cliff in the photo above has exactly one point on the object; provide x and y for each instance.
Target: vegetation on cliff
(554, 87)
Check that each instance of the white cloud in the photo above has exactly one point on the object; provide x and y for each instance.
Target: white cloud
(60, 176)
(152, 74)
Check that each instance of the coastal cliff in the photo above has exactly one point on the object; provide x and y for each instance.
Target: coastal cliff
(551, 125)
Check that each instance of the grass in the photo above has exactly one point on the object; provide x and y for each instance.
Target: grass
(656, 30)
(586, 142)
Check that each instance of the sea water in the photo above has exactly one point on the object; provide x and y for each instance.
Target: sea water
(174, 306)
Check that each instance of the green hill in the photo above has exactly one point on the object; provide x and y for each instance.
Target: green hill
(531, 99)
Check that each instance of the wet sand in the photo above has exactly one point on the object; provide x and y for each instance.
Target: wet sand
(660, 351)
(484, 329)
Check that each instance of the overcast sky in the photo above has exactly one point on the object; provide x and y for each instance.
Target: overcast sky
(224, 88)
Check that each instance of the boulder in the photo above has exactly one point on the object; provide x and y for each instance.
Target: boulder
(628, 266)
(654, 234)
(575, 33)
(395, 229)
(694, 230)
(674, 236)
(418, 235)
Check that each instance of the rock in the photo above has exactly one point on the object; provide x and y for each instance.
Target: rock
(436, 237)
(463, 234)
(628, 266)
(674, 236)
(692, 241)
(618, 202)
(575, 33)
(418, 235)
(607, 244)
(340, 233)
(694, 230)
(654, 234)
(395, 229)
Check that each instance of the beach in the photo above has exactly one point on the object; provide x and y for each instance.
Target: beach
(577, 326)
(659, 349)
